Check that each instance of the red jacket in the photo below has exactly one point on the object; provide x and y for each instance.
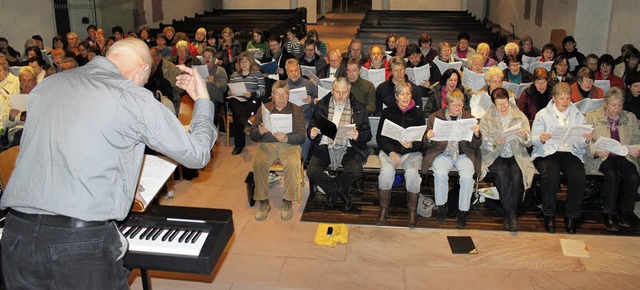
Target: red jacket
(387, 70)
(613, 80)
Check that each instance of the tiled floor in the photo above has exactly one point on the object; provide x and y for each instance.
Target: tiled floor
(276, 254)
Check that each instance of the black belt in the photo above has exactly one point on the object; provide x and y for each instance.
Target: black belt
(59, 221)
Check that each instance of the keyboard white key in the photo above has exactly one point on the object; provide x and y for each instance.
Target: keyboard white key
(182, 242)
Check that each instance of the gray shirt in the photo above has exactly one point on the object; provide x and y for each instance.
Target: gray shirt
(83, 143)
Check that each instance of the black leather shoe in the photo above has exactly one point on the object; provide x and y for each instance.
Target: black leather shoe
(550, 224)
(624, 220)
(570, 225)
(610, 223)
(237, 150)
(441, 213)
(511, 222)
(461, 221)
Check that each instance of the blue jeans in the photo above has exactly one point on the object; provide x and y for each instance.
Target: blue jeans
(36, 256)
(410, 162)
(441, 166)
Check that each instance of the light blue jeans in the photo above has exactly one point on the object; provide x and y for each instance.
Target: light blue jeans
(410, 163)
(441, 166)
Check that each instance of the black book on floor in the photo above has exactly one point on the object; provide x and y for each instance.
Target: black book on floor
(462, 245)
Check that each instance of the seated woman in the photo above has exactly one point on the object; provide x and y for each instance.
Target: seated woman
(536, 96)
(183, 56)
(243, 106)
(483, 49)
(101, 42)
(620, 172)
(571, 51)
(427, 51)
(394, 153)
(551, 157)
(632, 94)
(592, 62)
(462, 49)
(145, 35)
(391, 42)
(475, 63)
(200, 42)
(493, 78)
(292, 45)
(83, 57)
(509, 159)
(444, 53)
(377, 60)
(161, 45)
(605, 72)
(441, 156)
(549, 52)
(560, 71)
(229, 48)
(449, 81)
(629, 64)
(526, 47)
(583, 88)
(497, 52)
(259, 42)
(321, 46)
(514, 73)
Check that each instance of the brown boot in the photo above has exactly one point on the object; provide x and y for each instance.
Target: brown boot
(412, 205)
(385, 196)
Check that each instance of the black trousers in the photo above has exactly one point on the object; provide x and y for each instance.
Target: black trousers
(573, 169)
(351, 163)
(619, 173)
(241, 112)
(508, 182)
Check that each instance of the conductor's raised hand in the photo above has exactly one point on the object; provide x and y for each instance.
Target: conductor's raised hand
(191, 81)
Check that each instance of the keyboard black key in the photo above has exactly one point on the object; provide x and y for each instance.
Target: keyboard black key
(145, 233)
(166, 236)
(135, 232)
(172, 236)
(157, 233)
(151, 233)
(183, 236)
(195, 238)
(188, 238)
(128, 232)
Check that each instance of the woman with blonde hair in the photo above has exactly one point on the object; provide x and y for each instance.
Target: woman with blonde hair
(484, 50)
(200, 43)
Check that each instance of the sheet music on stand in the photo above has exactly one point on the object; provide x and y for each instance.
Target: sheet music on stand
(155, 172)
(459, 130)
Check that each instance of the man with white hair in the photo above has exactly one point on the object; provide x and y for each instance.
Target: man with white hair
(79, 163)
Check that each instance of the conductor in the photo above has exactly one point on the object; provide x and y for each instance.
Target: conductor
(78, 167)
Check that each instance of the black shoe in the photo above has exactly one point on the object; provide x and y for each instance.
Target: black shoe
(610, 223)
(346, 199)
(513, 220)
(550, 224)
(441, 213)
(570, 225)
(237, 150)
(331, 201)
(624, 220)
(461, 221)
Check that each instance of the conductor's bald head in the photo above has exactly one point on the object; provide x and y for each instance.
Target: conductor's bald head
(132, 58)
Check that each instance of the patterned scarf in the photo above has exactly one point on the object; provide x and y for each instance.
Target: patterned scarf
(613, 123)
(339, 146)
(452, 146)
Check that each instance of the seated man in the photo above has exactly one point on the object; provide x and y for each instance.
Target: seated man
(279, 55)
(385, 91)
(401, 47)
(157, 82)
(277, 146)
(363, 90)
(355, 51)
(295, 80)
(310, 57)
(335, 69)
(342, 109)
(216, 81)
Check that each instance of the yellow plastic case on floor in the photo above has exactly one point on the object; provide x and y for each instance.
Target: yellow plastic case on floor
(339, 234)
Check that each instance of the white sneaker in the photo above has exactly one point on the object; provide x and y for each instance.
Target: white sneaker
(274, 178)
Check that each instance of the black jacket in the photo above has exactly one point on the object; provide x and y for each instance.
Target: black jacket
(358, 117)
(410, 118)
(268, 57)
(323, 73)
(385, 94)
